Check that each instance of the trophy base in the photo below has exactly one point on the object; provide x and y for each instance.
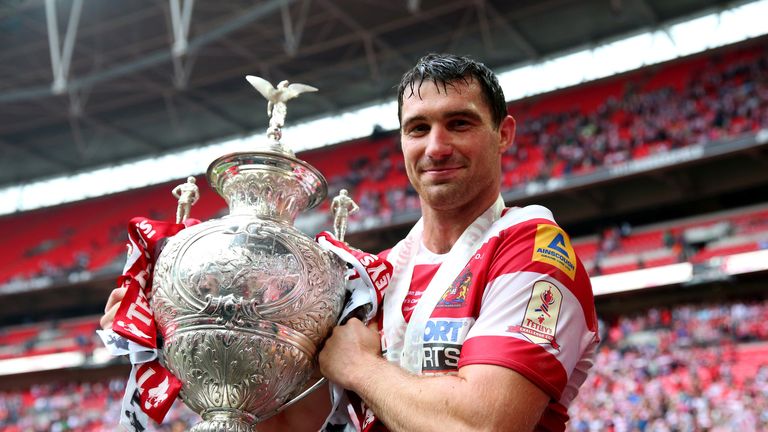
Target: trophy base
(225, 421)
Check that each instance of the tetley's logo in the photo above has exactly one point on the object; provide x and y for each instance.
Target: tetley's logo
(540, 321)
(553, 247)
(456, 294)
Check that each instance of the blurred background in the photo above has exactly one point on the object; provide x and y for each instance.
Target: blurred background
(642, 124)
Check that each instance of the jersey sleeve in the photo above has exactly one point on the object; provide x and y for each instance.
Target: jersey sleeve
(537, 312)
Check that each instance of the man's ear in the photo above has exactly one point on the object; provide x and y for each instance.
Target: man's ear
(507, 130)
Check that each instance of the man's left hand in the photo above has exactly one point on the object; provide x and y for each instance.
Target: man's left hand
(349, 353)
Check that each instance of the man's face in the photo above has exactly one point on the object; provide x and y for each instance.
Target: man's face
(452, 151)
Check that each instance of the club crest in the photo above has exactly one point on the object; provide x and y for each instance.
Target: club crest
(456, 294)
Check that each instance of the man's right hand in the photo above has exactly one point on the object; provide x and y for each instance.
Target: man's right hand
(113, 303)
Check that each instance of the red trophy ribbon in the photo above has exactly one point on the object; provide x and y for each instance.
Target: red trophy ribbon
(151, 388)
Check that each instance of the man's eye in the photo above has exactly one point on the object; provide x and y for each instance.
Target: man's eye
(418, 130)
(460, 124)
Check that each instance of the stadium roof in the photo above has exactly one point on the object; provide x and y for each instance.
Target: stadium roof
(90, 84)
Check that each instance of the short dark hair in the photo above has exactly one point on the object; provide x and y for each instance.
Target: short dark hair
(445, 69)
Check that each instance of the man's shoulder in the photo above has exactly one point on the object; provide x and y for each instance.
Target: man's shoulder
(512, 216)
(517, 224)
(529, 238)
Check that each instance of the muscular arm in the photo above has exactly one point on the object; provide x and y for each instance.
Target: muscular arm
(480, 397)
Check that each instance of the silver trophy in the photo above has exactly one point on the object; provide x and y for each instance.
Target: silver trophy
(244, 302)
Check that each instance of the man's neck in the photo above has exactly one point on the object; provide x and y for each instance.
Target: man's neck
(443, 228)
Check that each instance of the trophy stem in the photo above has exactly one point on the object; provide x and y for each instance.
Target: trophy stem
(226, 421)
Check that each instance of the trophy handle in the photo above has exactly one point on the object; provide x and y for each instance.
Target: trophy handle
(303, 394)
(297, 398)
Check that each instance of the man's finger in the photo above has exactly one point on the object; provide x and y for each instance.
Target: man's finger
(374, 324)
(115, 297)
(109, 317)
(113, 304)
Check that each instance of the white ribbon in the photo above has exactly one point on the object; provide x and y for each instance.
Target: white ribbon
(404, 347)
(132, 417)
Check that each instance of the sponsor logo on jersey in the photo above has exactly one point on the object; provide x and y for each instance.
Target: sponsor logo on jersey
(443, 338)
(552, 246)
(540, 320)
(456, 294)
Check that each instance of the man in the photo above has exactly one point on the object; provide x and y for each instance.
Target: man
(488, 322)
(512, 355)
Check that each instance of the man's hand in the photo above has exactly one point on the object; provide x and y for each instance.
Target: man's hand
(350, 352)
(113, 303)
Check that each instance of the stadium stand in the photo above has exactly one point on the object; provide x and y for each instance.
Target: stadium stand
(661, 366)
(686, 368)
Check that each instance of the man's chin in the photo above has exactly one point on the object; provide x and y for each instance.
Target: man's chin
(442, 196)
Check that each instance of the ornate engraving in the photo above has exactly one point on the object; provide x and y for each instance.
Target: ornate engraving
(268, 192)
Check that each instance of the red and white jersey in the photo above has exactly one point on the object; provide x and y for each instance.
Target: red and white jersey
(523, 301)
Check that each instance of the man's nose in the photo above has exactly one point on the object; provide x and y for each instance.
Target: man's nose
(439, 145)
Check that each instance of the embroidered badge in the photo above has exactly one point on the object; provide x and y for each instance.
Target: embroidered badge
(552, 246)
(456, 294)
(540, 320)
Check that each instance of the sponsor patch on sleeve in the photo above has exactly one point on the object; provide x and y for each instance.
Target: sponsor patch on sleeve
(552, 246)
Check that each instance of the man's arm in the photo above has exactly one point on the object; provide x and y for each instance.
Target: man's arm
(195, 195)
(480, 397)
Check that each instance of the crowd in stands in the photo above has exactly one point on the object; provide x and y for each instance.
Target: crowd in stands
(77, 407)
(683, 368)
(651, 113)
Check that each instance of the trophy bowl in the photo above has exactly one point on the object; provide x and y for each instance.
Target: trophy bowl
(244, 302)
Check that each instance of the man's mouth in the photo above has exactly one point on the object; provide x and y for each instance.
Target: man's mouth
(441, 171)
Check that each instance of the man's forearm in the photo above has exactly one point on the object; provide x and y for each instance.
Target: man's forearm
(406, 402)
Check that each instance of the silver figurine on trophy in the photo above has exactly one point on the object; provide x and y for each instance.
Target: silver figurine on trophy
(244, 302)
